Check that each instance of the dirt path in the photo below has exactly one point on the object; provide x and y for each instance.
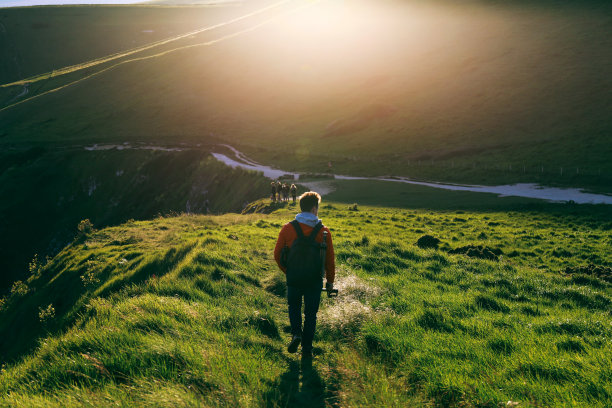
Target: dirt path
(112, 57)
(527, 190)
(23, 93)
(116, 64)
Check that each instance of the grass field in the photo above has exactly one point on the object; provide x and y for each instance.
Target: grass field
(52, 189)
(112, 186)
(380, 193)
(155, 305)
(189, 311)
(477, 92)
(483, 93)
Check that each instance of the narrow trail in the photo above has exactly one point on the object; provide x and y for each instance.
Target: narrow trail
(526, 190)
(160, 54)
(108, 58)
(327, 186)
(23, 92)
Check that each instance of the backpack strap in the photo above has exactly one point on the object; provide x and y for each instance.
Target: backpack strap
(315, 231)
(300, 233)
(298, 229)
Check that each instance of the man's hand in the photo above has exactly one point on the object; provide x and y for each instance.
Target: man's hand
(329, 286)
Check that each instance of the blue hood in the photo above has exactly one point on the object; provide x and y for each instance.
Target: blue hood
(307, 218)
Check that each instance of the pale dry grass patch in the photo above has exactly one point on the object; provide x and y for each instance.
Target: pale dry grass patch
(346, 312)
(351, 286)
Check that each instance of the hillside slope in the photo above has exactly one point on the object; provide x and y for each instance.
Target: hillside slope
(189, 311)
(482, 92)
(48, 191)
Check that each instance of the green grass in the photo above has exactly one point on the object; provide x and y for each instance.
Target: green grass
(414, 196)
(72, 33)
(526, 122)
(189, 311)
(501, 92)
(52, 189)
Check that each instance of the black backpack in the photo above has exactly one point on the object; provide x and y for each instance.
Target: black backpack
(303, 260)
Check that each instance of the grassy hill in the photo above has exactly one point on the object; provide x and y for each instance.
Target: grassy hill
(158, 306)
(481, 92)
(48, 191)
(485, 92)
(189, 311)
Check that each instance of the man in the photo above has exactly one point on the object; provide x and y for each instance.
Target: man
(307, 285)
(293, 192)
(273, 191)
(279, 187)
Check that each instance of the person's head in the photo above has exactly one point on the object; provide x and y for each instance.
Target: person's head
(309, 202)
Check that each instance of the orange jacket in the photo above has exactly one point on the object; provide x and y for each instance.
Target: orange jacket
(288, 235)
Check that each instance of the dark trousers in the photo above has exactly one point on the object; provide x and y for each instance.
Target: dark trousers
(312, 298)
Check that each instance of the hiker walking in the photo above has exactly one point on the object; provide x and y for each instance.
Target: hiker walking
(279, 188)
(273, 191)
(293, 192)
(285, 192)
(299, 255)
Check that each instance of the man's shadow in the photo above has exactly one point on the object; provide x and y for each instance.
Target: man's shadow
(301, 386)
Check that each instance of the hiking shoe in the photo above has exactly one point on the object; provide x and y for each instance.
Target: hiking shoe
(295, 342)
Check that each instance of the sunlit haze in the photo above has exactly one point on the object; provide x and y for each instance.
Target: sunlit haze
(153, 157)
(24, 3)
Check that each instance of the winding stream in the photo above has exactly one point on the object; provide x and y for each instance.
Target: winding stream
(527, 190)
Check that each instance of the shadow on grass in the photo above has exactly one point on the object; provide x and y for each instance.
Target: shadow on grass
(302, 386)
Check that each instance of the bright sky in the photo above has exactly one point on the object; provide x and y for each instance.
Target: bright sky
(22, 3)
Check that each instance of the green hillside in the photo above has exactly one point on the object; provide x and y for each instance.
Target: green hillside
(481, 92)
(189, 311)
(47, 191)
(137, 270)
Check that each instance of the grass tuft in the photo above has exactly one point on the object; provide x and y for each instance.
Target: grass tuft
(488, 303)
(435, 320)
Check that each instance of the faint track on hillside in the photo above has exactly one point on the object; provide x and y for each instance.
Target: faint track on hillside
(23, 92)
(207, 43)
(527, 190)
(109, 58)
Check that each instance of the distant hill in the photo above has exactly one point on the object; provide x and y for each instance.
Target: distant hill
(474, 93)
(471, 92)
(196, 2)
